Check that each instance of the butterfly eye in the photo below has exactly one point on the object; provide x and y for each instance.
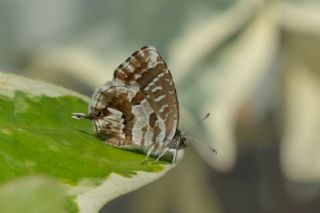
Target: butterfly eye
(99, 114)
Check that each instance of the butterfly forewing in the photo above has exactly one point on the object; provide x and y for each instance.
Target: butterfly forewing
(147, 70)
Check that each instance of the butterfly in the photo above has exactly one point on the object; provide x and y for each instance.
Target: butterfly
(139, 107)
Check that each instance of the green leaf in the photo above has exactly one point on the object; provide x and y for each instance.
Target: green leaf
(38, 136)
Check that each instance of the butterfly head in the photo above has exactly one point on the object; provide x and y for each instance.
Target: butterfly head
(182, 142)
(179, 141)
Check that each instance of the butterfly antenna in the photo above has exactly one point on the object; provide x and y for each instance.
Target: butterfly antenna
(195, 140)
(196, 123)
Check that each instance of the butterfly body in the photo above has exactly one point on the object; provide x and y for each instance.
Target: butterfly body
(139, 108)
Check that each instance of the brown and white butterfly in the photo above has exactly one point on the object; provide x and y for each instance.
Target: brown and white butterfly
(139, 107)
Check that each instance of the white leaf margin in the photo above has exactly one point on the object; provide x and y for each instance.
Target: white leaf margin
(93, 200)
(88, 198)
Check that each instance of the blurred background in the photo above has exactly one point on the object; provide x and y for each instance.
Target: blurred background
(253, 64)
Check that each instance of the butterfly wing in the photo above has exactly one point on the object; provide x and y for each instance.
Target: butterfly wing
(107, 109)
(140, 105)
(147, 70)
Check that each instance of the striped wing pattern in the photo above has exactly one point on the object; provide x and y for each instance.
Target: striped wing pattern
(139, 106)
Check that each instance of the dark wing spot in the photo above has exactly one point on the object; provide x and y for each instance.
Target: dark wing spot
(135, 53)
(152, 119)
(137, 98)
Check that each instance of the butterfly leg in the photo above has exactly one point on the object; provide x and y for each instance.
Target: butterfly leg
(162, 153)
(149, 152)
(174, 153)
